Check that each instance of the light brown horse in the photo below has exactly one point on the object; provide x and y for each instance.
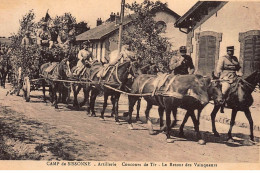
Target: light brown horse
(239, 99)
(170, 97)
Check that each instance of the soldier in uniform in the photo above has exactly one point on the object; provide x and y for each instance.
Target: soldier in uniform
(181, 64)
(44, 36)
(63, 37)
(84, 58)
(26, 41)
(227, 69)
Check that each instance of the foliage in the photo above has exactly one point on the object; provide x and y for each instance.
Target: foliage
(32, 57)
(145, 38)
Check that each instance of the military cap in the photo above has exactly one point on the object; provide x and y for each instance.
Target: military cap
(230, 48)
(183, 49)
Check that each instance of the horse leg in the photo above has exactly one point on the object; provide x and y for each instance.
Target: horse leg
(186, 117)
(196, 127)
(94, 94)
(104, 105)
(131, 100)
(168, 111)
(148, 119)
(76, 92)
(213, 116)
(55, 88)
(161, 111)
(232, 123)
(86, 97)
(174, 113)
(43, 90)
(251, 123)
(113, 106)
(117, 96)
(138, 109)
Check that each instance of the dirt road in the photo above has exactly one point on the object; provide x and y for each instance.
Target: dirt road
(44, 133)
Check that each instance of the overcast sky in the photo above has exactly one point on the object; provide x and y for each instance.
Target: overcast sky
(11, 11)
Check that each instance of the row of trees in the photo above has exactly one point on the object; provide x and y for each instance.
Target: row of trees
(145, 38)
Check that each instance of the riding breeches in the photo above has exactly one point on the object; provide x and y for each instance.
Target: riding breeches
(225, 87)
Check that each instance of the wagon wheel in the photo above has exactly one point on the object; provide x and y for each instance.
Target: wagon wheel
(26, 89)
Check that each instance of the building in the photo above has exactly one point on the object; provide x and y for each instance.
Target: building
(211, 26)
(104, 37)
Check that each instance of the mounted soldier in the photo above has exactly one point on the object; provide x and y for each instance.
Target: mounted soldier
(125, 54)
(181, 64)
(85, 58)
(44, 36)
(227, 69)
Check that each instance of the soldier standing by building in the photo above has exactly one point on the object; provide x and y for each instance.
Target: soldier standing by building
(181, 64)
(227, 69)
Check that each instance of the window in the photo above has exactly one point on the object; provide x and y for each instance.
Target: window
(160, 26)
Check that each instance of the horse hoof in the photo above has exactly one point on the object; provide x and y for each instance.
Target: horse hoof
(169, 140)
(152, 132)
(181, 135)
(163, 129)
(216, 134)
(102, 119)
(130, 127)
(249, 142)
(201, 142)
(118, 123)
(230, 140)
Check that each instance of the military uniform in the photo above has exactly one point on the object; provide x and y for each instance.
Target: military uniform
(44, 37)
(83, 56)
(181, 64)
(226, 69)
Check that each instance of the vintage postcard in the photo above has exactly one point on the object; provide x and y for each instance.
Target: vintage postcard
(129, 85)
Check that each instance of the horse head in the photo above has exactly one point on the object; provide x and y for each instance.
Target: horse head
(64, 69)
(214, 92)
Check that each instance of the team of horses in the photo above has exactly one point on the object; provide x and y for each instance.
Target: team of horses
(168, 92)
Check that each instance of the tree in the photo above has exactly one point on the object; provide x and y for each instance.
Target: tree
(145, 37)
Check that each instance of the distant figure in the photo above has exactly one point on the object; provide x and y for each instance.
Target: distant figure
(181, 64)
(227, 69)
(26, 41)
(44, 36)
(72, 35)
(54, 34)
(63, 37)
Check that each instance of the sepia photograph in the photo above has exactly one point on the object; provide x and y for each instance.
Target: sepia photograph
(129, 85)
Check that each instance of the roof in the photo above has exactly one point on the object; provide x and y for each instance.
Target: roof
(195, 11)
(6, 41)
(101, 31)
(107, 28)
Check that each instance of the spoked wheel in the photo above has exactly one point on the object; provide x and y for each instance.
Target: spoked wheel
(26, 89)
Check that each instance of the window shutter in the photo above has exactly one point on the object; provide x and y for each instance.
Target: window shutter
(207, 50)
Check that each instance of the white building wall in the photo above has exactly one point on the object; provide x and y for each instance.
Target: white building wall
(175, 37)
(231, 19)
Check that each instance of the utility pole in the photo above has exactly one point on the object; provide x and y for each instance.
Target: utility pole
(121, 26)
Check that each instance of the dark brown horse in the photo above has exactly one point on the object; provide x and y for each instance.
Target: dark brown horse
(239, 99)
(169, 97)
(116, 77)
(60, 72)
(5, 67)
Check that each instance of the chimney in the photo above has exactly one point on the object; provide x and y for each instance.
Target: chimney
(99, 21)
(112, 17)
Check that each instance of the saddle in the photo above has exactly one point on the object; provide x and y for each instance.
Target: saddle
(104, 69)
(51, 67)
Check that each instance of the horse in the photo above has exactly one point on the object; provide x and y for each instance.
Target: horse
(116, 77)
(61, 71)
(169, 95)
(239, 99)
(5, 67)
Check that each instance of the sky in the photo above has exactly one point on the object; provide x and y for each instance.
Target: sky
(11, 11)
